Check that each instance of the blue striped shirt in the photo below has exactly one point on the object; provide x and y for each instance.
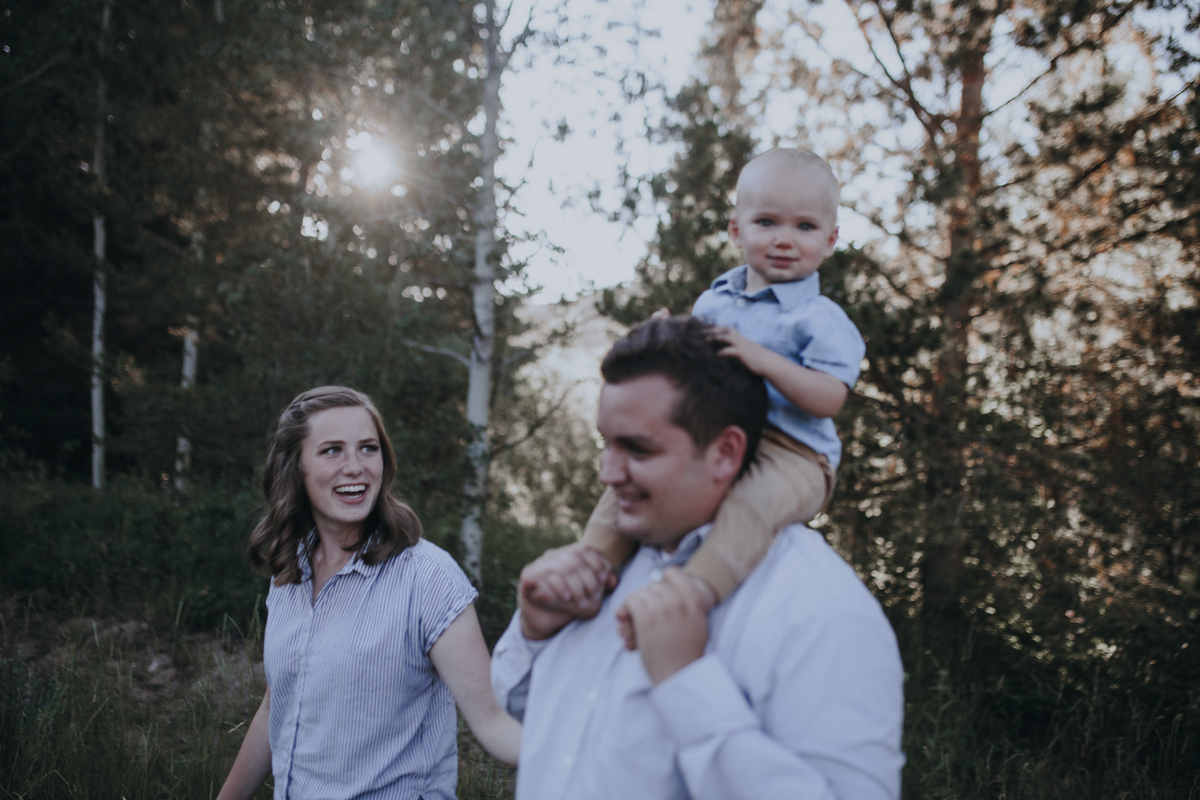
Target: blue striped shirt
(357, 709)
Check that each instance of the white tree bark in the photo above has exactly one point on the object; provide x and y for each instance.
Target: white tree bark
(183, 445)
(479, 386)
(99, 293)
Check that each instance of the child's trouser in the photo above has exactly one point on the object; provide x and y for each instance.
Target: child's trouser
(787, 483)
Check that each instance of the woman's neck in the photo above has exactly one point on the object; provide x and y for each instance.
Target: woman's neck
(330, 554)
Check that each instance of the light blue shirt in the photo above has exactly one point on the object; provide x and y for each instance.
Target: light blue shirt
(795, 320)
(357, 709)
(799, 693)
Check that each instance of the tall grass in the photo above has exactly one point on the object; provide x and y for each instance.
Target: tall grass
(80, 725)
(983, 725)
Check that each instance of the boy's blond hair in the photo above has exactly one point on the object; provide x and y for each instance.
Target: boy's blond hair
(789, 158)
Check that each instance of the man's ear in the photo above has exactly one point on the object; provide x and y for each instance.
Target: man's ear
(727, 452)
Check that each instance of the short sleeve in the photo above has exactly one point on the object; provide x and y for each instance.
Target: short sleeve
(835, 347)
(705, 306)
(441, 591)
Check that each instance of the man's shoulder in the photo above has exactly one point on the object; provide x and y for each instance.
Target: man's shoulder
(803, 576)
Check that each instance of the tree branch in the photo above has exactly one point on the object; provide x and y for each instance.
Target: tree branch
(519, 41)
(441, 351)
(907, 95)
(35, 74)
(535, 425)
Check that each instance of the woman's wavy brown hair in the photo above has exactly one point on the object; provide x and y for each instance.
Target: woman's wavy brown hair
(281, 538)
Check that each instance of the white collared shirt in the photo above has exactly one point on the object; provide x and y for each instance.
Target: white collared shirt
(799, 693)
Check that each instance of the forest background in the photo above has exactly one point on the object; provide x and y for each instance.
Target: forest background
(189, 236)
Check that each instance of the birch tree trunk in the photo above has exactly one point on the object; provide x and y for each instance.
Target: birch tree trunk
(99, 293)
(484, 306)
(183, 445)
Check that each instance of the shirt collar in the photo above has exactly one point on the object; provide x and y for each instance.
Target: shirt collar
(688, 545)
(355, 564)
(789, 295)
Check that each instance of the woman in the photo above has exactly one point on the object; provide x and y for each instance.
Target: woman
(371, 630)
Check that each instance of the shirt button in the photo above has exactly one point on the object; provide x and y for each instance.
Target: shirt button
(656, 575)
(567, 759)
(741, 303)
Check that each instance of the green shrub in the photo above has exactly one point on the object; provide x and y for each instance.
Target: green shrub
(130, 548)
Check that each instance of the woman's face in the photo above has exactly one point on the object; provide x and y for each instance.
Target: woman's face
(342, 467)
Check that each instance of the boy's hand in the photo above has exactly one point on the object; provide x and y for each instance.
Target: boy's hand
(672, 615)
(756, 357)
(625, 619)
(662, 313)
(563, 584)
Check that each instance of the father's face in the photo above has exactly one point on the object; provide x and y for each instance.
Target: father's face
(665, 485)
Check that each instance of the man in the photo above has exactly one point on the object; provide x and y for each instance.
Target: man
(790, 688)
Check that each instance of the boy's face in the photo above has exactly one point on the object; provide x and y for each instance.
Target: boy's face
(785, 222)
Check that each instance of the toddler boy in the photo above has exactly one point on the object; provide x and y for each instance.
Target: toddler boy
(771, 315)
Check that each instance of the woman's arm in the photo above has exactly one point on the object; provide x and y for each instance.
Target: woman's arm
(461, 659)
(253, 763)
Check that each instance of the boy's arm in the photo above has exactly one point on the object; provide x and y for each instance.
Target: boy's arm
(809, 390)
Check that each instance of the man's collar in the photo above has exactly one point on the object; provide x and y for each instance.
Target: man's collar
(683, 551)
(789, 295)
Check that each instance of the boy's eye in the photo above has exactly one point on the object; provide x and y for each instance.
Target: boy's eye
(766, 223)
(806, 226)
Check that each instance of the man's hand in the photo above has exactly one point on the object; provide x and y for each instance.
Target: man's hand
(563, 584)
(671, 621)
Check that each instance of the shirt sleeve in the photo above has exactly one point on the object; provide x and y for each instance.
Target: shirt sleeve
(512, 667)
(704, 306)
(442, 593)
(836, 346)
(829, 727)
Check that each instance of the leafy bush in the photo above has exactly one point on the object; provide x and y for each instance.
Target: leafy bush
(131, 548)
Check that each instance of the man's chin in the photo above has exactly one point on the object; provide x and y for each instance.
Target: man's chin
(631, 527)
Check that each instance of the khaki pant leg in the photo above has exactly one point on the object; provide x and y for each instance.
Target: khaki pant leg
(788, 483)
(601, 533)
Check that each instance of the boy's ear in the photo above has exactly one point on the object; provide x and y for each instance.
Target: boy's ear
(833, 237)
(733, 231)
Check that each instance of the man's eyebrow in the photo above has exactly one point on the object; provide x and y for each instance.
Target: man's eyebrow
(640, 442)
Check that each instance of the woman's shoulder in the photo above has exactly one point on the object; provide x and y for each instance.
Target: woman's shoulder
(426, 561)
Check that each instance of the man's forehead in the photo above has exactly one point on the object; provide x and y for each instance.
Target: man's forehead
(650, 398)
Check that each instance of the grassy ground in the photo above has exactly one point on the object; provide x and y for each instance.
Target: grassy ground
(113, 707)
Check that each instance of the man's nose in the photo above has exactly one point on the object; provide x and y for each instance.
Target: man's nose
(612, 467)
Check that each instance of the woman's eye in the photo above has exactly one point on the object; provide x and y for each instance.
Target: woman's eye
(370, 448)
(330, 451)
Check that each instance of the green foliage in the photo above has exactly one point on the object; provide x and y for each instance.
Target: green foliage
(691, 247)
(133, 548)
